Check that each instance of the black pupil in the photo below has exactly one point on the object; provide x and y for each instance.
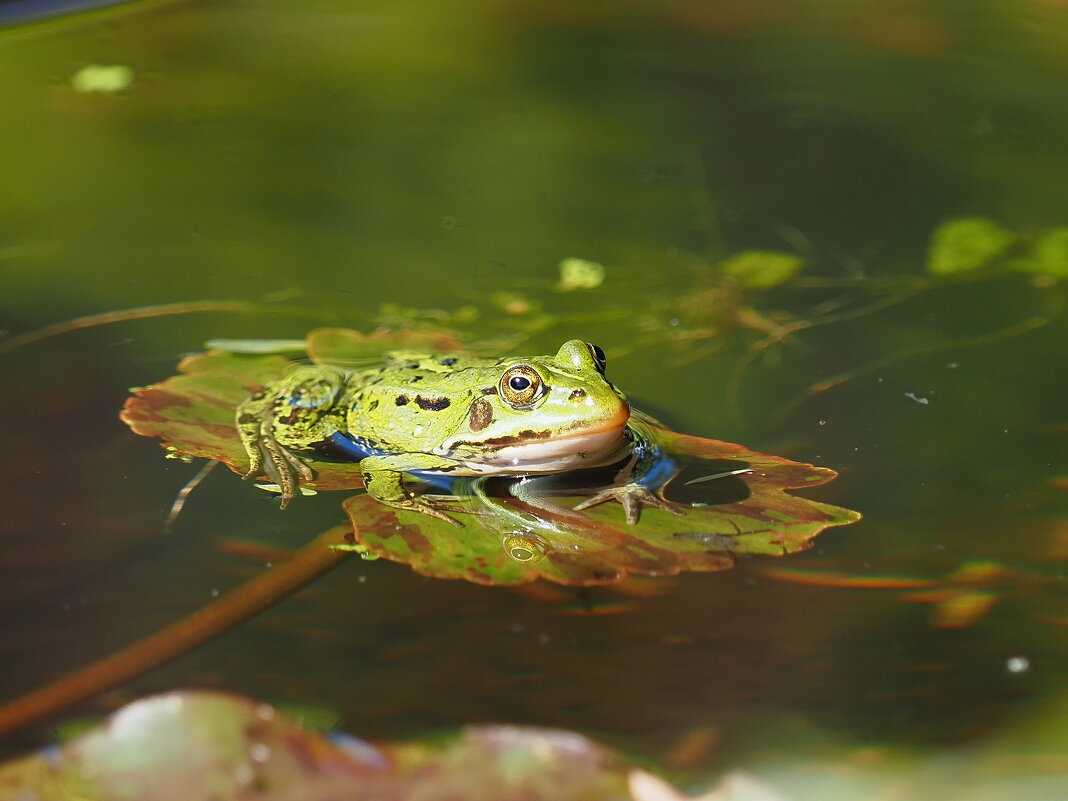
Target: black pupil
(519, 383)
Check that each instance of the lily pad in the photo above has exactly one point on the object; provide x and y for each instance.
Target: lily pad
(1049, 256)
(966, 243)
(762, 269)
(202, 744)
(509, 540)
(508, 537)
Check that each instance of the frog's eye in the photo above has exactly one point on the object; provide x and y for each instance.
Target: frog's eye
(598, 357)
(521, 385)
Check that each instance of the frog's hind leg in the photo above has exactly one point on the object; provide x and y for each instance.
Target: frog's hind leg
(265, 453)
(249, 421)
(297, 410)
(273, 458)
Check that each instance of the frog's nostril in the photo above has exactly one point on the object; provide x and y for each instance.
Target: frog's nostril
(578, 394)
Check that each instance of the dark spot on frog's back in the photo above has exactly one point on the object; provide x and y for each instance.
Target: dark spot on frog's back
(401, 400)
(448, 361)
(432, 404)
(481, 414)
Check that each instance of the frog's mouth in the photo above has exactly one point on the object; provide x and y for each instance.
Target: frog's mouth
(532, 451)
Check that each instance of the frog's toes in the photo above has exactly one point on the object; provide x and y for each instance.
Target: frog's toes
(298, 465)
(284, 498)
(255, 464)
(282, 467)
(632, 497)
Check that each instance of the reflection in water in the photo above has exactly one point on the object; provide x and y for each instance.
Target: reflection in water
(533, 518)
(528, 548)
(520, 508)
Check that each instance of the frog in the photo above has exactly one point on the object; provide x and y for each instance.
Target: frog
(418, 416)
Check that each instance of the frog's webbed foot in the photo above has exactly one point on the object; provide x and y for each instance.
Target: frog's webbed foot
(284, 468)
(632, 497)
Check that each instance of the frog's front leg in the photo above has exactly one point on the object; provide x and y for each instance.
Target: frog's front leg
(293, 412)
(383, 478)
(632, 497)
(643, 479)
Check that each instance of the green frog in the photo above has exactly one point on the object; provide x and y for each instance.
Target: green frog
(451, 415)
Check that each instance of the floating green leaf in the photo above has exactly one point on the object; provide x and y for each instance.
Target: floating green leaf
(107, 79)
(1048, 256)
(966, 243)
(507, 539)
(579, 274)
(761, 269)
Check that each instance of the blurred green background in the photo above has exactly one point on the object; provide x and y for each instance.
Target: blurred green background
(350, 163)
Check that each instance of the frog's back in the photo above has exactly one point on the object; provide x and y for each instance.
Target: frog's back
(415, 401)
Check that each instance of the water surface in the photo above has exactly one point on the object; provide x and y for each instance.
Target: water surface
(325, 159)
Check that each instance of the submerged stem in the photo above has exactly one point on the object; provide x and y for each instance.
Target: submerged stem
(235, 607)
(139, 313)
(1015, 330)
(734, 382)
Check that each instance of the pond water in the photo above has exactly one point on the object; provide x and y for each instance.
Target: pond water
(408, 163)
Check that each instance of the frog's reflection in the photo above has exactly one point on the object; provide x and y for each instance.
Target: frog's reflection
(534, 515)
(525, 547)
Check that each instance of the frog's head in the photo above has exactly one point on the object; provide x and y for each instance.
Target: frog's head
(545, 413)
